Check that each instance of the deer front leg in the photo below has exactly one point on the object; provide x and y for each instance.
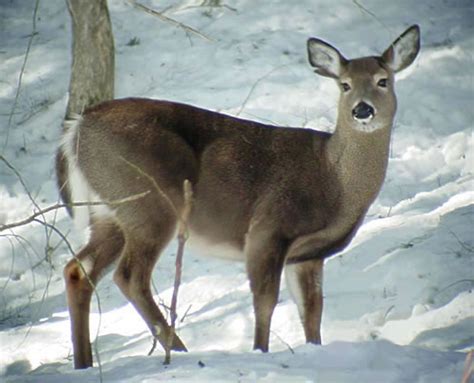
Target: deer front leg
(265, 259)
(305, 282)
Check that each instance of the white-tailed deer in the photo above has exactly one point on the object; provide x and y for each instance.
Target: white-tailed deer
(286, 197)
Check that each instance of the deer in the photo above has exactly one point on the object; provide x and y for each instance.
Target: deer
(285, 198)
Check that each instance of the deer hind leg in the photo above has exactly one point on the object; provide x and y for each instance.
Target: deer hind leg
(265, 259)
(304, 281)
(147, 233)
(82, 275)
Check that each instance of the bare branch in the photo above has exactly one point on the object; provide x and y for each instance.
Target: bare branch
(372, 14)
(182, 238)
(210, 4)
(284, 342)
(168, 19)
(20, 78)
(468, 367)
(464, 245)
(186, 313)
(57, 206)
(20, 178)
(30, 197)
(471, 281)
(254, 86)
(84, 271)
(155, 185)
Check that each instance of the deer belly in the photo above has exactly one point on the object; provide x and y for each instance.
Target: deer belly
(203, 246)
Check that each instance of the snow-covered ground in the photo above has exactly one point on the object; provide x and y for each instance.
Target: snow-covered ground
(398, 301)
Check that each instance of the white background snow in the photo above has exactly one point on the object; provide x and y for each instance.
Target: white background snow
(398, 301)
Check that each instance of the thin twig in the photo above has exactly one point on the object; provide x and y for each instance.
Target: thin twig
(206, 4)
(373, 15)
(389, 310)
(26, 245)
(45, 292)
(182, 238)
(168, 19)
(30, 197)
(89, 280)
(20, 78)
(186, 313)
(468, 367)
(254, 86)
(12, 247)
(57, 206)
(154, 183)
(153, 346)
(464, 245)
(22, 181)
(471, 281)
(284, 342)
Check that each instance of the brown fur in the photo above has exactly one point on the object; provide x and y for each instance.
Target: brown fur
(280, 195)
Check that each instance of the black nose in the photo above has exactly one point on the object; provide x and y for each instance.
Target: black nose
(362, 111)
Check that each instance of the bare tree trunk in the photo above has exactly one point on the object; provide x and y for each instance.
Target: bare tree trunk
(92, 74)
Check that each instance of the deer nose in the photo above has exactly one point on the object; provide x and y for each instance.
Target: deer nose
(363, 111)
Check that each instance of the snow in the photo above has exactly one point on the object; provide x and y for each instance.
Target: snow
(398, 301)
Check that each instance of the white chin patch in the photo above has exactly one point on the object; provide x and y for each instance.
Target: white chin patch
(366, 125)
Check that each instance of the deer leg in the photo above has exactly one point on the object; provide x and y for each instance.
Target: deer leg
(265, 258)
(81, 275)
(144, 242)
(304, 281)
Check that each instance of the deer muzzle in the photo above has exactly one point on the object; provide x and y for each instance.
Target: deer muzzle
(363, 112)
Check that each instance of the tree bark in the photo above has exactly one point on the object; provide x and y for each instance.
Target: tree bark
(92, 73)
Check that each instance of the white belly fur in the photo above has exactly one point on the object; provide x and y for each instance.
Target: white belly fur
(203, 247)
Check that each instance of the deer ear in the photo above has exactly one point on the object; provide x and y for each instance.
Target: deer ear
(403, 50)
(326, 59)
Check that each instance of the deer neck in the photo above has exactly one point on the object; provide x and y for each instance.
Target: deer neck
(358, 160)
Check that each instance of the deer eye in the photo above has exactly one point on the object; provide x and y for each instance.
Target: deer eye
(383, 82)
(345, 86)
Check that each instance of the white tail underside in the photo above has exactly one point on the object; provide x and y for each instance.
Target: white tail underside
(81, 191)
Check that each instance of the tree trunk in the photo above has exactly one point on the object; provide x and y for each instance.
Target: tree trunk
(92, 73)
